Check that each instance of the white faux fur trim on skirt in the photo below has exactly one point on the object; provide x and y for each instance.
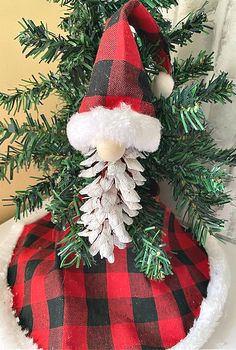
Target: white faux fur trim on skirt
(13, 338)
(121, 124)
(213, 305)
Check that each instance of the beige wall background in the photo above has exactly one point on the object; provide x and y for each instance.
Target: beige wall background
(14, 67)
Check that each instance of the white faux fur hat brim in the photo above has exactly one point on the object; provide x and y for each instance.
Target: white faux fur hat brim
(13, 338)
(121, 124)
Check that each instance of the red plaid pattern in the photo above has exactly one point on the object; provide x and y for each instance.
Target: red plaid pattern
(118, 74)
(110, 306)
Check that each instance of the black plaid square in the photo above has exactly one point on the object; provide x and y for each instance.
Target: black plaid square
(183, 257)
(56, 312)
(114, 19)
(30, 239)
(26, 318)
(100, 78)
(144, 310)
(30, 268)
(202, 286)
(98, 313)
(98, 267)
(181, 302)
(11, 275)
(144, 84)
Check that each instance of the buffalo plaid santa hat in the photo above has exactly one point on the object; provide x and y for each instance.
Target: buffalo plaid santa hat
(118, 104)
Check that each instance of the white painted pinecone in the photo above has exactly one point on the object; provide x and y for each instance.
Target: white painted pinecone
(111, 201)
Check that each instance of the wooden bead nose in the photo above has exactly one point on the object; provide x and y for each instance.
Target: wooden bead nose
(109, 150)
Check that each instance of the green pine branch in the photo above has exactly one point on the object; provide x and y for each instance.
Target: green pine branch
(204, 149)
(66, 192)
(26, 201)
(73, 249)
(150, 257)
(218, 90)
(13, 131)
(192, 67)
(196, 145)
(14, 160)
(224, 156)
(198, 187)
(147, 235)
(36, 142)
(32, 93)
(65, 208)
(63, 186)
(149, 4)
(41, 132)
(29, 95)
(35, 90)
(184, 113)
(197, 207)
(76, 56)
(194, 22)
(37, 40)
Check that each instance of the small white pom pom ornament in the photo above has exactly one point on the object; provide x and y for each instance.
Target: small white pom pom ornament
(109, 150)
(162, 85)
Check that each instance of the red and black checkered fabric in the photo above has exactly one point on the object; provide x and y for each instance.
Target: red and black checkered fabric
(110, 306)
(118, 74)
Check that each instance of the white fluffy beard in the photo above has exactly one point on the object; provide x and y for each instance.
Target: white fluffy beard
(110, 201)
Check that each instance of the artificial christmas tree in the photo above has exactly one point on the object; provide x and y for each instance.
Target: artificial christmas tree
(117, 122)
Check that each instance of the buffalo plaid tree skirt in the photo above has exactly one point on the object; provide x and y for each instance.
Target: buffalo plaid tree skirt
(110, 306)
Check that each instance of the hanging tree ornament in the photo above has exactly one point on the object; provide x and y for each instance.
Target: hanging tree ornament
(115, 124)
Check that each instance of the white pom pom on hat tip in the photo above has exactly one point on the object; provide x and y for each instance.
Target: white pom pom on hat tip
(162, 85)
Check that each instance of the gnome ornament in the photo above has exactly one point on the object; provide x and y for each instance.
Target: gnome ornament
(116, 124)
